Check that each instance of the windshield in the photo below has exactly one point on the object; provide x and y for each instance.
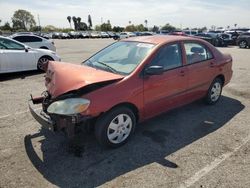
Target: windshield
(120, 57)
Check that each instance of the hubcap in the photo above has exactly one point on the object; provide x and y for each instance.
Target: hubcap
(243, 44)
(119, 129)
(41, 63)
(216, 91)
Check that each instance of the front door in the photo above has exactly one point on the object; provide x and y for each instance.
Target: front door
(165, 91)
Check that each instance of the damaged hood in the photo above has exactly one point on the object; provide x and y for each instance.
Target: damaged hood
(64, 77)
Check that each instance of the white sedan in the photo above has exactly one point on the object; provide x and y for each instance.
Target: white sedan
(15, 56)
(34, 41)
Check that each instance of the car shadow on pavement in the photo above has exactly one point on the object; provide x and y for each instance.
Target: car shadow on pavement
(19, 75)
(153, 141)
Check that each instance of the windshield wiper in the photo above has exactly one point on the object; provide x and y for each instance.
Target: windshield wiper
(109, 67)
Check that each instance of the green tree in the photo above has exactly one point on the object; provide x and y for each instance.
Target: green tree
(168, 28)
(203, 29)
(23, 19)
(6, 27)
(140, 28)
(36, 28)
(97, 28)
(155, 28)
(118, 29)
(130, 28)
(49, 28)
(106, 27)
(82, 26)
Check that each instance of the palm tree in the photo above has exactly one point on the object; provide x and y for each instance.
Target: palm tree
(78, 22)
(90, 22)
(69, 20)
(146, 23)
(75, 22)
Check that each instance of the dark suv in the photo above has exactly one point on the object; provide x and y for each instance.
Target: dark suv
(243, 41)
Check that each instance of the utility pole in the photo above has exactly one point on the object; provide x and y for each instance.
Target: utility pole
(39, 23)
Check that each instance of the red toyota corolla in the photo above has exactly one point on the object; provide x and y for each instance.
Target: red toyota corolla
(128, 82)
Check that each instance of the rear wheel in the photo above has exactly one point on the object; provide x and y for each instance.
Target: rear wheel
(243, 44)
(214, 92)
(42, 61)
(114, 128)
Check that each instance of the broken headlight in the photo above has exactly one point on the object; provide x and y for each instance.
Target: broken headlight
(69, 106)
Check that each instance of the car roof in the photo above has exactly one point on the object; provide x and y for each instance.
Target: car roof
(25, 35)
(160, 39)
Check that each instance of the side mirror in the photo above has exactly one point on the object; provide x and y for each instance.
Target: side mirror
(26, 49)
(154, 70)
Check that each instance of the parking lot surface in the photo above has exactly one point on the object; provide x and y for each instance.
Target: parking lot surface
(192, 146)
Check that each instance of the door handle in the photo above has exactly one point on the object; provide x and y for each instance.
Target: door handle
(182, 73)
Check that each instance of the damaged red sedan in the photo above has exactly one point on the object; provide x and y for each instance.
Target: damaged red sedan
(128, 82)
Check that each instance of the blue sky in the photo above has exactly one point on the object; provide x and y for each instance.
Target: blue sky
(180, 13)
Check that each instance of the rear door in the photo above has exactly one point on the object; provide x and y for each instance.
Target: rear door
(200, 65)
(166, 91)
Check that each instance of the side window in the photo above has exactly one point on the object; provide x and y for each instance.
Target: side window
(35, 39)
(2, 46)
(27, 39)
(11, 45)
(169, 56)
(197, 53)
(20, 38)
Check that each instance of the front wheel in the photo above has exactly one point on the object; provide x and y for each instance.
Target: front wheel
(243, 44)
(42, 61)
(214, 92)
(114, 128)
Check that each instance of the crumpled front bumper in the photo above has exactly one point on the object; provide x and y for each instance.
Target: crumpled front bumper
(41, 117)
(56, 122)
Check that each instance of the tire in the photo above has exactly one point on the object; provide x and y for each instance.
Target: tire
(216, 43)
(42, 61)
(243, 44)
(214, 92)
(114, 128)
